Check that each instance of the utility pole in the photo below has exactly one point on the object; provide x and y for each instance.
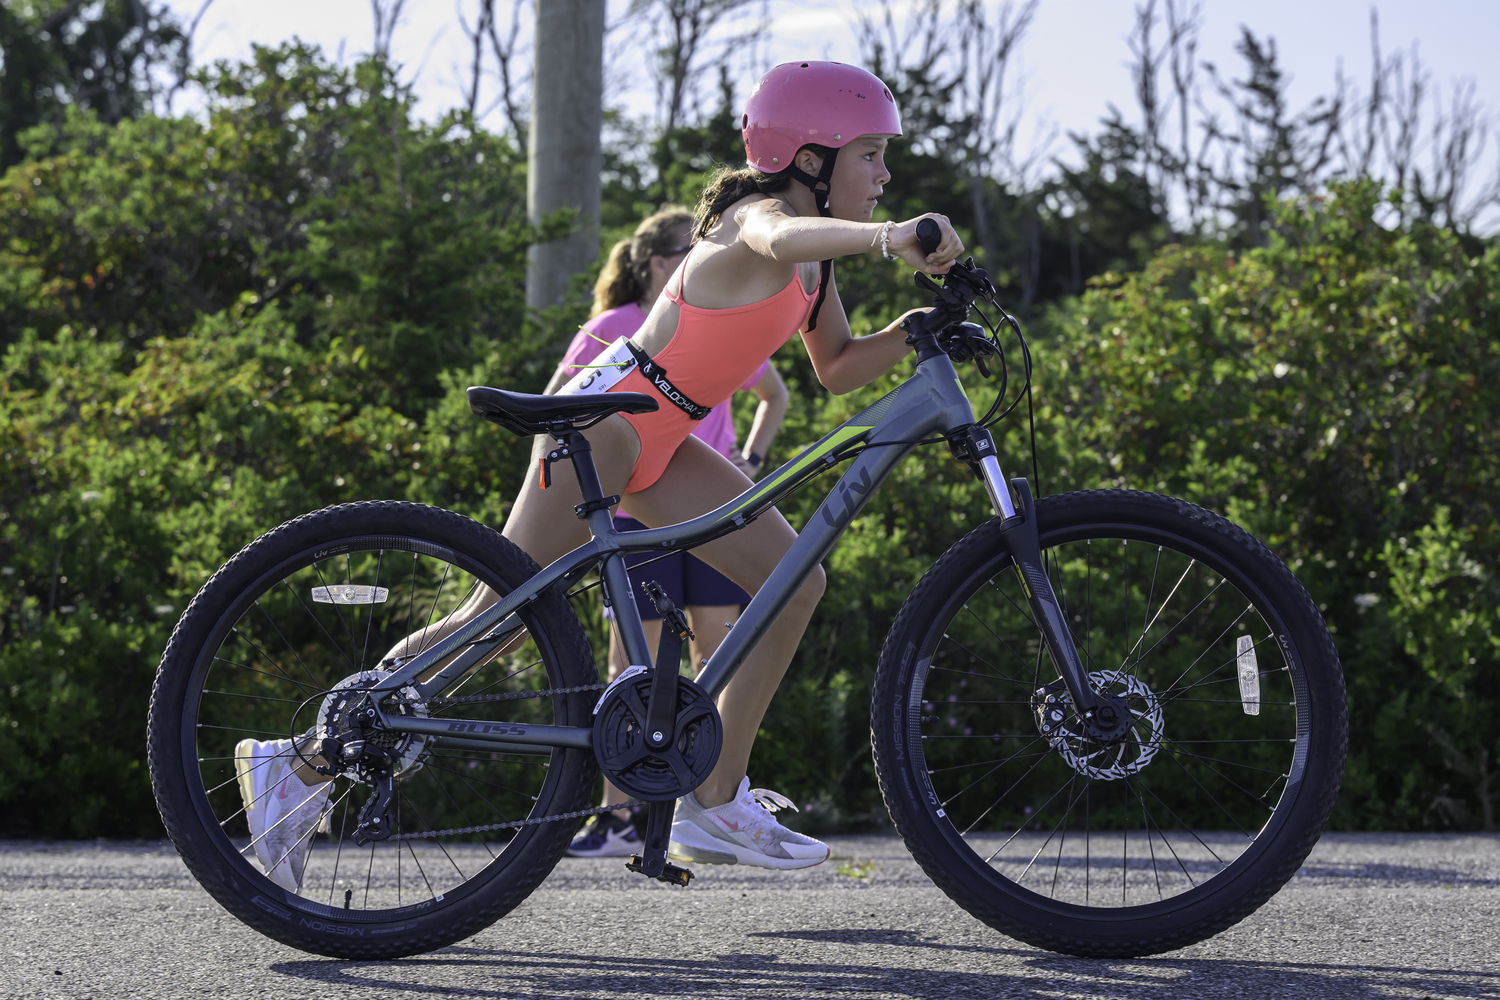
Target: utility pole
(563, 159)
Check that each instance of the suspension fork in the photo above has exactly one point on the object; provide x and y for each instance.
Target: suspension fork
(1104, 717)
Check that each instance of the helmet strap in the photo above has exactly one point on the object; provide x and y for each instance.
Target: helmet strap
(820, 198)
(824, 178)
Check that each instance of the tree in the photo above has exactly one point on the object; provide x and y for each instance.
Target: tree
(108, 57)
(212, 327)
(563, 155)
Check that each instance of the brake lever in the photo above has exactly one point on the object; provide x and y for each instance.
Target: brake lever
(925, 282)
(967, 342)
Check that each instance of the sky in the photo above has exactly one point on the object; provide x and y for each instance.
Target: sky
(1073, 60)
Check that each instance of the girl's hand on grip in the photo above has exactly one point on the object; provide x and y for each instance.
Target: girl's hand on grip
(905, 244)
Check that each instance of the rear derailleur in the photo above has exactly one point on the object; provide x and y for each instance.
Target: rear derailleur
(357, 747)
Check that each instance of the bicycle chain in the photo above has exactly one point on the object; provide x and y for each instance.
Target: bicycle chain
(474, 699)
(538, 821)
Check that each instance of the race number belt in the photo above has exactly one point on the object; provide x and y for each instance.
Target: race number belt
(657, 376)
(617, 361)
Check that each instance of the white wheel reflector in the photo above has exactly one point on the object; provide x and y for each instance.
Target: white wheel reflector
(349, 593)
(1244, 655)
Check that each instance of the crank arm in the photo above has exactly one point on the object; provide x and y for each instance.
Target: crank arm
(661, 712)
(653, 861)
(1102, 715)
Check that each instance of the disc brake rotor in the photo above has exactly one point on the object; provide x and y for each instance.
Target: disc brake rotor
(1060, 725)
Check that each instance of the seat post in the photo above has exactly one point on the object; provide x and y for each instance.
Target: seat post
(612, 571)
(577, 447)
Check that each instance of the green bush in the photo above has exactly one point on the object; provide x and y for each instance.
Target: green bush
(210, 329)
(212, 326)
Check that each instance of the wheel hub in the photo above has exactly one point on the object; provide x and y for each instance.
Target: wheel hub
(1141, 736)
(339, 721)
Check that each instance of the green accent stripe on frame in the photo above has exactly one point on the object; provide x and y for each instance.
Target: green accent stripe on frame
(840, 436)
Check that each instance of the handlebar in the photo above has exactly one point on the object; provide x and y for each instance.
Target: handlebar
(945, 328)
(928, 235)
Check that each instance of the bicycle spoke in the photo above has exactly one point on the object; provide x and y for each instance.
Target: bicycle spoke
(316, 620)
(1003, 794)
(1066, 813)
(979, 779)
(992, 760)
(500, 814)
(364, 652)
(436, 840)
(338, 855)
(433, 607)
(966, 649)
(255, 697)
(267, 673)
(236, 631)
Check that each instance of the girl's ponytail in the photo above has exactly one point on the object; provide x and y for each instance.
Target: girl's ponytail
(728, 186)
(627, 273)
(617, 284)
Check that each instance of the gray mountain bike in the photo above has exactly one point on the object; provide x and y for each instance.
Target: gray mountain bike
(1106, 723)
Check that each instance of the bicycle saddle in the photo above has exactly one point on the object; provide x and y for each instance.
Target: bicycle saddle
(524, 413)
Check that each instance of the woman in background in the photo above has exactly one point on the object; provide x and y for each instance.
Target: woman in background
(632, 279)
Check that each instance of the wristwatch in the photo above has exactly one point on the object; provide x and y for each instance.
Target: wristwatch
(754, 459)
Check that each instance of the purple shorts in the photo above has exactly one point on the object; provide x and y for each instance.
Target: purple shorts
(688, 580)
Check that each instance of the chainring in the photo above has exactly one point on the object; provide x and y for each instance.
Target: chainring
(656, 775)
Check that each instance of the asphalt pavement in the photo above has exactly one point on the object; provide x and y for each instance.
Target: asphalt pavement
(1369, 915)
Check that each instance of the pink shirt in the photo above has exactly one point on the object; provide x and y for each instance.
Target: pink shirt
(717, 429)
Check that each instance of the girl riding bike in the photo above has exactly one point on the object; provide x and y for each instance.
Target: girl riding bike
(815, 138)
(1109, 723)
(759, 271)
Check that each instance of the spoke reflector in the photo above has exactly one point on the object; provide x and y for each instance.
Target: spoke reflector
(1244, 656)
(350, 593)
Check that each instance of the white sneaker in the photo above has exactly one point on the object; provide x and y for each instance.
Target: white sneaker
(282, 811)
(741, 832)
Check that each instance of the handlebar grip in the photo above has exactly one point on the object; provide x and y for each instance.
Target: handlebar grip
(929, 235)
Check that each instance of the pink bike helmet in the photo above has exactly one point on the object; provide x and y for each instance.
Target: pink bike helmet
(827, 103)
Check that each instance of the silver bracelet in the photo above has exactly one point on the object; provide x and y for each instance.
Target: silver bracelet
(885, 241)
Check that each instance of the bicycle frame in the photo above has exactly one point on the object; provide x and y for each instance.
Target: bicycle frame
(932, 400)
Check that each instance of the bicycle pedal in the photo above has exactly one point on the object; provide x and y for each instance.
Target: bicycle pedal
(670, 873)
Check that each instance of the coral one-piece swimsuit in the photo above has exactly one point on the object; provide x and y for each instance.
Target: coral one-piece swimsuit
(711, 354)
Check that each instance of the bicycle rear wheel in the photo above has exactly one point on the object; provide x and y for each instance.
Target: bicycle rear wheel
(1210, 804)
(315, 604)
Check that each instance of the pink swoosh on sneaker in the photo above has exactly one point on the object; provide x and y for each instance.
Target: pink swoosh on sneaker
(281, 789)
(733, 827)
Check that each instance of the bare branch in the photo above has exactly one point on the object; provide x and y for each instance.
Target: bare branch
(476, 37)
(387, 13)
(514, 77)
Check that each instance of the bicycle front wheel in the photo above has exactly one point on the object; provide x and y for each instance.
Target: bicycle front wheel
(1211, 802)
(305, 612)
